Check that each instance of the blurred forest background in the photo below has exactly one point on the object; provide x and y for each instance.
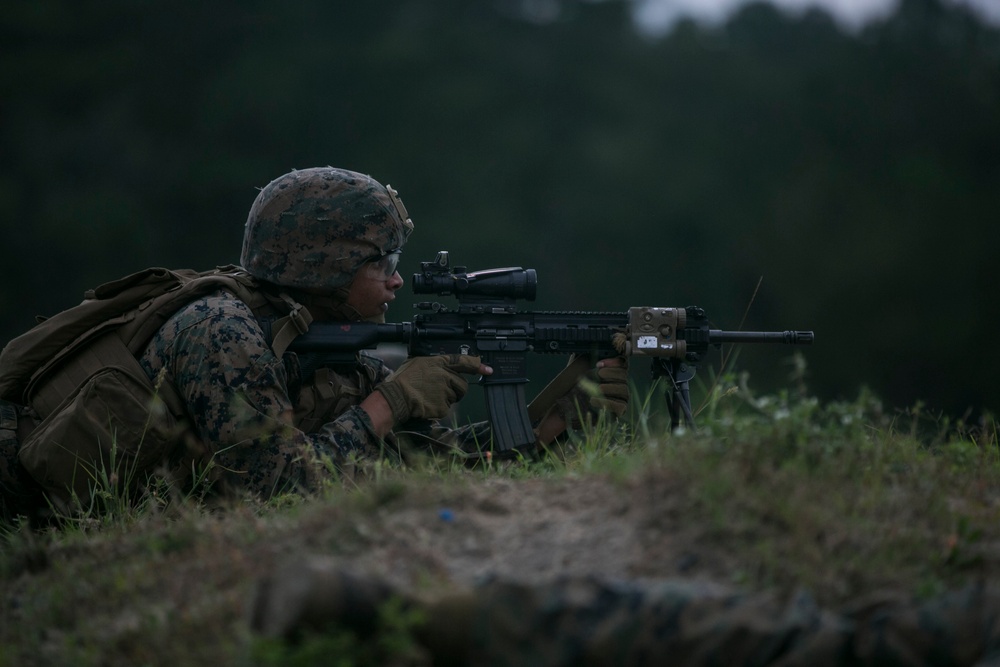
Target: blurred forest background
(854, 175)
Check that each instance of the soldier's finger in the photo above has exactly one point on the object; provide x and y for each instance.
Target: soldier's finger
(613, 362)
(613, 374)
(467, 363)
(615, 391)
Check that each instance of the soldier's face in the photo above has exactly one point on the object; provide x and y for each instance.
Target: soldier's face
(371, 292)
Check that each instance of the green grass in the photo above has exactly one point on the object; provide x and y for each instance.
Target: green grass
(770, 492)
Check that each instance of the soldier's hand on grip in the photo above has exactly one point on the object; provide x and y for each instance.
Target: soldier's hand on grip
(612, 385)
(604, 388)
(426, 387)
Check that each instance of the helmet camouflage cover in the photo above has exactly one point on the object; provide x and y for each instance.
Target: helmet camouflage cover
(314, 228)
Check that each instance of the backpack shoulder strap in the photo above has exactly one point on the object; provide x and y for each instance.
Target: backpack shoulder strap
(141, 330)
(288, 328)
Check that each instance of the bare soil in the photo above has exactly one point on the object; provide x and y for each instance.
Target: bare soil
(527, 529)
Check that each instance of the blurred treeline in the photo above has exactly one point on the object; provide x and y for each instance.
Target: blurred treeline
(773, 167)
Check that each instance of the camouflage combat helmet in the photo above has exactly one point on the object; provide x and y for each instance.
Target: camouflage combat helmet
(314, 228)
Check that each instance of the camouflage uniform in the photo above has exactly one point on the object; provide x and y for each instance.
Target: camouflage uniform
(241, 398)
(265, 426)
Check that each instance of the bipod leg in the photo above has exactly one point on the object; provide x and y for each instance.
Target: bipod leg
(679, 395)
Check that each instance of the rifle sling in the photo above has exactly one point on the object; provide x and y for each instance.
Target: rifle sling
(289, 327)
(560, 385)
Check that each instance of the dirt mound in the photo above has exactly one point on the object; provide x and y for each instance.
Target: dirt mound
(533, 530)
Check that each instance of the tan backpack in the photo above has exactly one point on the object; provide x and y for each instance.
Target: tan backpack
(102, 421)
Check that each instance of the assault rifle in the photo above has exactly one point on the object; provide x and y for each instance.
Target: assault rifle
(488, 324)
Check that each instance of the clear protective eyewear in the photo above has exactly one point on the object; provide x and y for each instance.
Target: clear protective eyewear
(387, 263)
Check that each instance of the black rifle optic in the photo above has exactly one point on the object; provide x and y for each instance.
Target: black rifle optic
(487, 323)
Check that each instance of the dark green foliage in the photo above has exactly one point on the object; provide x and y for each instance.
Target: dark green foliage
(857, 174)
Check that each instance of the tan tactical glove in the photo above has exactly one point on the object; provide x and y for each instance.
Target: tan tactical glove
(426, 387)
(602, 389)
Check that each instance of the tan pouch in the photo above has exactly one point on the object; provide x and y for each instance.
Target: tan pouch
(109, 435)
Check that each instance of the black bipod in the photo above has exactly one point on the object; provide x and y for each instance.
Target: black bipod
(679, 395)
